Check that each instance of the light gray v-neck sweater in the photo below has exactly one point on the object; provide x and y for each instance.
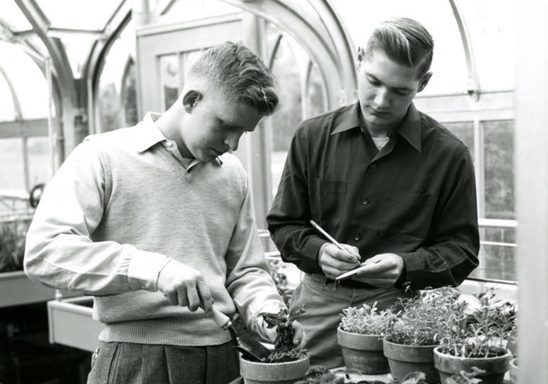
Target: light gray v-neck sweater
(120, 208)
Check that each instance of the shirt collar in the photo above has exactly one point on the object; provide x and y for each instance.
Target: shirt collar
(409, 129)
(148, 133)
(348, 119)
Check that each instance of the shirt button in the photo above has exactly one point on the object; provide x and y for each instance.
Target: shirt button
(357, 237)
(365, 202)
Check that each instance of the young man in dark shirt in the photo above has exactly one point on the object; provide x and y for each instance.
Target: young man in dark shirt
(388, 182)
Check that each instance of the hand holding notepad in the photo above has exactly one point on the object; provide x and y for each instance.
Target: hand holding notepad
(353, 272)
(387, 269)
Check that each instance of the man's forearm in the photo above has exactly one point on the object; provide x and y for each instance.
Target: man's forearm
(298, 245)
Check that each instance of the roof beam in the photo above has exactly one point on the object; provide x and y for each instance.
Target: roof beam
(472, 87)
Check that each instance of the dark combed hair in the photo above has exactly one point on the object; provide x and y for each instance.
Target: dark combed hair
(405, 41)
(239, 74)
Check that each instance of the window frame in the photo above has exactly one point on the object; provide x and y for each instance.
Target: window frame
(458, 108)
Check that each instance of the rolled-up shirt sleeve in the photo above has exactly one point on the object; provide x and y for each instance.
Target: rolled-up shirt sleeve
(59, 250)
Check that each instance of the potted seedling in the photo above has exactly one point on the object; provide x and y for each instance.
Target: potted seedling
(360, 335)
(286, 363)
(410, 340)
(478, 339)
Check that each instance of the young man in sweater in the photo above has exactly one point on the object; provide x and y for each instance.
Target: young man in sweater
(156, 222)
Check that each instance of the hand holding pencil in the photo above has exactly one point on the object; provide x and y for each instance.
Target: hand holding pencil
(341, 261)
(336, 258)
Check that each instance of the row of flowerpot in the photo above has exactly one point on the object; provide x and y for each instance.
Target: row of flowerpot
(435, 332)
(370, 354)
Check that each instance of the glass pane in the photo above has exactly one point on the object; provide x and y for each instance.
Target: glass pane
(497, 254)
(129, 95)
(448, 65)
(185, 10)
(491, 24)
(39, 160)
(13, 17)
(117, 98)
(499, 169)
(464, 131)
(27, 80)
(12, 174)
(7, 112)
(79, 14)
(284, 122)
(109, 106)
(169, 78)
(78, 47)
(315, 95)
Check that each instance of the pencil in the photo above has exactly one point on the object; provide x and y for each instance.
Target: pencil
(330, 238)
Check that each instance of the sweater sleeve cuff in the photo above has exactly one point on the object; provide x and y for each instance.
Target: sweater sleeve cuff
(144, 269)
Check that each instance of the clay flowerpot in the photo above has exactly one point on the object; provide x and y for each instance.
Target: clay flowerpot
(363, 353)
(404, 359)
(494, 367)
(278, 373)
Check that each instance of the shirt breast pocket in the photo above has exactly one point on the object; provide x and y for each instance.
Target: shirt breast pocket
(329, 196)
(408, 213)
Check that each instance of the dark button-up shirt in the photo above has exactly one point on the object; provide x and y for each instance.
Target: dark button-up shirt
(416, 197)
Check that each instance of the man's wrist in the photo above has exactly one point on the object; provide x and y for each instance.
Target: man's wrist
(401, 279)
(320, 253)
(144, 269)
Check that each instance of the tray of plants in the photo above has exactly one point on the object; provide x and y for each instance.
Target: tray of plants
(15, 287)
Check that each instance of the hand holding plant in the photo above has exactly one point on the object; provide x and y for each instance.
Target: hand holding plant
(289, 337)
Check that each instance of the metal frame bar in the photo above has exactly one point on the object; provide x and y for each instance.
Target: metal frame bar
(473, 86)
(62, 70)
(343, 45)
(95, 61)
